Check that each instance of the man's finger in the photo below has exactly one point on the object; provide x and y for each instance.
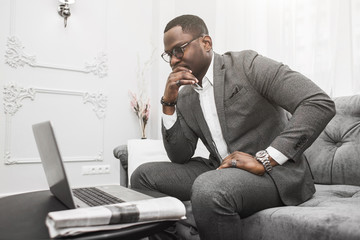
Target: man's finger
(184, 82)
(180, 68)
(224, 164)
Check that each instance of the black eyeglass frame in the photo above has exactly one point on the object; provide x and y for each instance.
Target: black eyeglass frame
(176, 51)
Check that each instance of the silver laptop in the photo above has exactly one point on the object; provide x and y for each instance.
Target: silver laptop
(59, 184)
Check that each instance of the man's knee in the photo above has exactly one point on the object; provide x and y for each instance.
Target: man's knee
(203, 186)
(208, 193)
(139, 178)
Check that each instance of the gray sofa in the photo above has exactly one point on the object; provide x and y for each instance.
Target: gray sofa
(333, 212)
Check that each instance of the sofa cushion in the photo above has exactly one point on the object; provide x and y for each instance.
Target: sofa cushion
(332, 213)
(334, 157)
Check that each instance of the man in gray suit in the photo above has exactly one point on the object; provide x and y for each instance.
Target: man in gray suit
(237, 104)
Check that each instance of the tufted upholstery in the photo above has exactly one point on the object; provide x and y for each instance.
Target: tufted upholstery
(334, 210)
(332, 214)
(335, 156)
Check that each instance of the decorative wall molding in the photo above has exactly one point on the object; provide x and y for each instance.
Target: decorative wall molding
(7, 158)
(13, 98)
(98, 101)
(99, 66)
(13, 161)
(15, 56)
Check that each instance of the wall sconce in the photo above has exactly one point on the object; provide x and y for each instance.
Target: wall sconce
(64, 9)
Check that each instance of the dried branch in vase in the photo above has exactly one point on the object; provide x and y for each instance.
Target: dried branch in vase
(142, 111)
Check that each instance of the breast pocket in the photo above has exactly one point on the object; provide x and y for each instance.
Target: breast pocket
(237, 94)
(245, 102)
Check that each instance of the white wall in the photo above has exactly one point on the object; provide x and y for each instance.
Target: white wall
(119, 29)
(318, 38)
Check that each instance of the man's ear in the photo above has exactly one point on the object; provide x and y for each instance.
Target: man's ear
(207, 42)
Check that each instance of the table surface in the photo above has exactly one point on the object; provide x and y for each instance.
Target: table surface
(22, 216)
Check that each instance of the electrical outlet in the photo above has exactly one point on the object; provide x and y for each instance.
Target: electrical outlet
(95, 169)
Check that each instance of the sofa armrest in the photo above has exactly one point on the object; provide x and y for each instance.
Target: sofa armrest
(334, 156)
(121, 153)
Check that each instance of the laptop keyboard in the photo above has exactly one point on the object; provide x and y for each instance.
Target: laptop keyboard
(95, 197)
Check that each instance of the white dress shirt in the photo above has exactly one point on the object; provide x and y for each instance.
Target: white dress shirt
(207, 103)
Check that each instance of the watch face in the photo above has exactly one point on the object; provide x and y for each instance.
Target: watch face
(261, 154)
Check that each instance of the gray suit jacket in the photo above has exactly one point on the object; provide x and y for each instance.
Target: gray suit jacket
(253, 95)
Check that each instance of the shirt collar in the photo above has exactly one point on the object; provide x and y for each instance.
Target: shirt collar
(210, 72)
(208, 79)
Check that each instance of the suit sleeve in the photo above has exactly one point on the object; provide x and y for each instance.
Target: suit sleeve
(179, 141)
(311, 108)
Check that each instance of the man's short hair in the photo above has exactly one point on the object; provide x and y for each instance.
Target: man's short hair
(190, 24)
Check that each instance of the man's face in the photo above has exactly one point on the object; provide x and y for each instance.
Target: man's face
(193, 52)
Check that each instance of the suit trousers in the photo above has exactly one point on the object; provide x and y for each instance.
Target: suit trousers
(219, 198)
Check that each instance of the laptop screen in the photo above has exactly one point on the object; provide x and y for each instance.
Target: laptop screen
(52, 163)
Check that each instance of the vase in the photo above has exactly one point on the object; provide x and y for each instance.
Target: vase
(143, 133)
(142, 128)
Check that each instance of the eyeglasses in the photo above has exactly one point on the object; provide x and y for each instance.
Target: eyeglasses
(177, 51)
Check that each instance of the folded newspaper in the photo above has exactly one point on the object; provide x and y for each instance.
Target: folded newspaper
(115, 216)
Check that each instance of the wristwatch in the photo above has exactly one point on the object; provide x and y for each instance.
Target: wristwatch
(263, 157)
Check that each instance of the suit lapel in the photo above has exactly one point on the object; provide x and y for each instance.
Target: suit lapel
(199, 116)
(219, 88)
(219, 74)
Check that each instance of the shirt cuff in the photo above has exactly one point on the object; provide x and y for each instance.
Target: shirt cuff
(277, 155)
(169, 120)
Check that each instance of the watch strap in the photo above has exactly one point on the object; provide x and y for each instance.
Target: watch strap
(264, 158)
(169, 104)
